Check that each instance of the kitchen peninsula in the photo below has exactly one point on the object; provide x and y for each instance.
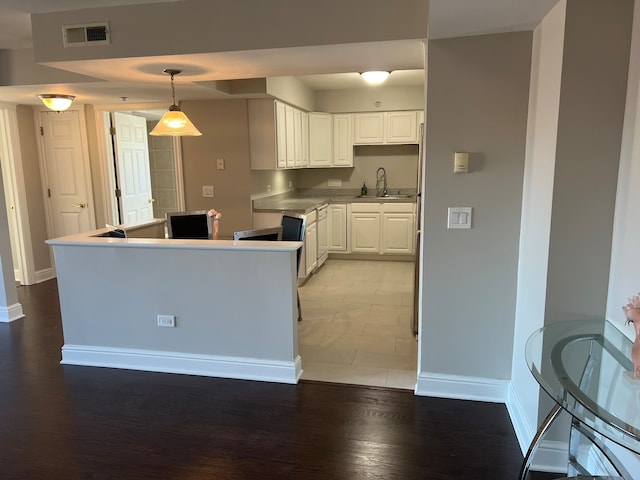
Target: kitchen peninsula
(228, 309)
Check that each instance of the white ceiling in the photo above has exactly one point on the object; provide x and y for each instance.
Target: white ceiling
(140, 80)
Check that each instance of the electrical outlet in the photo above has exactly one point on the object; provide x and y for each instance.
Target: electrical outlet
(220, 163)
(207, 190)
(290, 184)
(166, 320)
(268, 188)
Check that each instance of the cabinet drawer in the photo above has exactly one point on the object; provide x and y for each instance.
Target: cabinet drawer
(357, 207)
(399, 207)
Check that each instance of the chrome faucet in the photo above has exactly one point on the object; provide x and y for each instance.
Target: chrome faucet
(384, 192)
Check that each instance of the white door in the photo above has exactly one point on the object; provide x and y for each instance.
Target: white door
(132, 151)
(67, 183)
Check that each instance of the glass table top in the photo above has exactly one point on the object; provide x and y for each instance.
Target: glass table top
(586, 367)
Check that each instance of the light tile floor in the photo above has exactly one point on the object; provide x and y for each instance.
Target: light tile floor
(356, 325)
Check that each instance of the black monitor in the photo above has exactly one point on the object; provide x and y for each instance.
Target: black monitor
(194, 225)
(264, 234)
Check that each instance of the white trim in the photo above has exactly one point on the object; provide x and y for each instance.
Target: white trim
(190, 364)
(462, 388)
(45, 274)
(551, 456)
(525, 431)
(11, 313)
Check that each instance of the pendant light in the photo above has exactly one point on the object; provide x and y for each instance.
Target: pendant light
(56, 102)
(174, 122)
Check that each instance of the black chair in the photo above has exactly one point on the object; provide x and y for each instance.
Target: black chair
(293, 227)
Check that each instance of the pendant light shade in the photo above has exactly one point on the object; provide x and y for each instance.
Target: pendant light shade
(174, 122)
(56, 102)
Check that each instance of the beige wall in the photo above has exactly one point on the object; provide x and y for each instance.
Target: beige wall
(364, 99)
(33, 187)
(400, 162)
(477, 100)
(225, 134)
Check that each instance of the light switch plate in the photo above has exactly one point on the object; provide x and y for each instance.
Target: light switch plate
(334, 182)
(207, 190)
(220, 163)
(459, 217)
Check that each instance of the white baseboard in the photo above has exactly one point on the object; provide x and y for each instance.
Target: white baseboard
(45, 274)
(189, 364)
(11, 313)
(462, 388)
(551, 456)
(525, 431)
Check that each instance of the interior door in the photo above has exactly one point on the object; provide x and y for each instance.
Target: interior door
(132, 151)
(68, 187)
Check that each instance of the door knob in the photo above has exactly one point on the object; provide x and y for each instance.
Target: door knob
(79, 205)
(151, 200)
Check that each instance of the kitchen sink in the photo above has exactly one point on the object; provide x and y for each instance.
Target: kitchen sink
(397, 196)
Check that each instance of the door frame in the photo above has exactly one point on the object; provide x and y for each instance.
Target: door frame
(44, 174)
(14, 182)
(106, 155)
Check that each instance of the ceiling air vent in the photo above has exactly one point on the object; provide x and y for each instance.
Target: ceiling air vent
(88, 34)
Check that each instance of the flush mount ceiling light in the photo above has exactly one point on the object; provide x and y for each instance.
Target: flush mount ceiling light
(375, 77)
(56, 102)
(174, 122)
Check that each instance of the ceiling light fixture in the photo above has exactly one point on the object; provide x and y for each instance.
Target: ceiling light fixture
(56, 102)
(375, 77)
(174, 122)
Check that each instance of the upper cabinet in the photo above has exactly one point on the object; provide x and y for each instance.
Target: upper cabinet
(278, 135)
(330, 140)
(387, 128)
(343, 140)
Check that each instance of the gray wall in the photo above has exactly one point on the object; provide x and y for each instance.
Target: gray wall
(477, 102)
(592, 100)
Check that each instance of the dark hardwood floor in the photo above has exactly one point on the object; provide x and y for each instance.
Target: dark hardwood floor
(69, 422)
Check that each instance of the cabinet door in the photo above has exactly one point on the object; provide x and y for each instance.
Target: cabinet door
(401, 127)
(311, 247)
(320, 139)
(365, 232)
(297, 138)
(343, 140)
(290, 135)
(398, 233)
(305, 139)
(281, 135)
(368, 128)
(337, 228)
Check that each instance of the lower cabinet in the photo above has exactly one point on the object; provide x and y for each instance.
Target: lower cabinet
(383, 228)
(311, 243)
(337, 227)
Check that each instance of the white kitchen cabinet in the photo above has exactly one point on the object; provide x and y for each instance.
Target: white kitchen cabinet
(365, 227)
(323, 252)
(401, 127)
(384, 228)
(305, 139)
(368, 128)
(343, 140)
(320, 139)
(337, 227)
(311, 246)
(387, 128)
(276, 135)
(281, 134)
